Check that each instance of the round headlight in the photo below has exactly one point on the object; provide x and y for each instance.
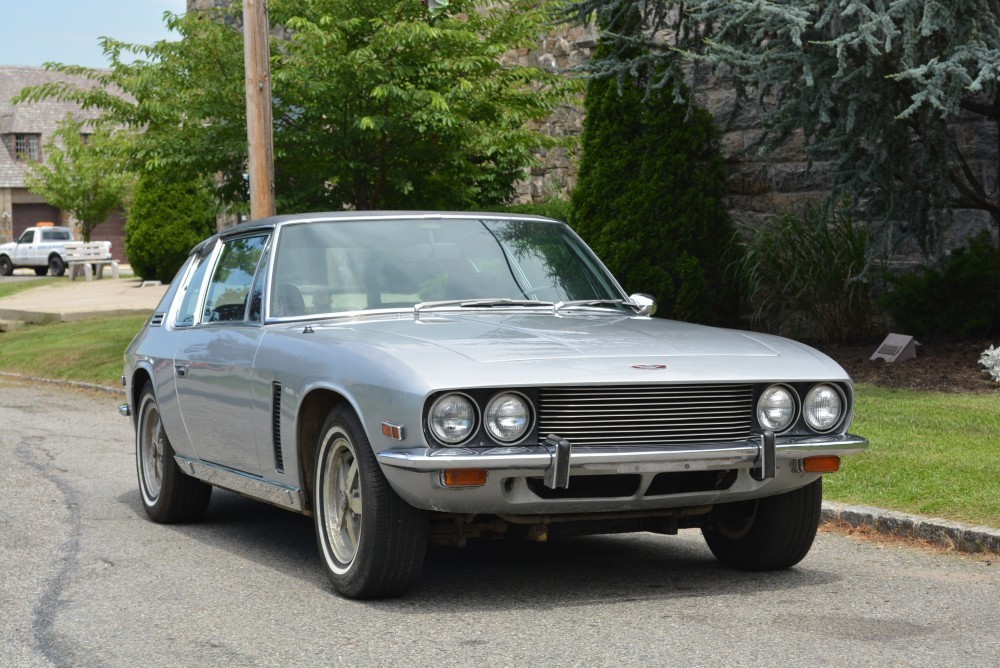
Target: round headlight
(823, 408)
(507, 417)
(776, 408)
(452, 419)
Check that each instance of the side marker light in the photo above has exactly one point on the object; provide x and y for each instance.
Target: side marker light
(463, 477)
(821, 464)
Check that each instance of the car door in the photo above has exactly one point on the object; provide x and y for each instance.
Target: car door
(213, 362)
(24, 252)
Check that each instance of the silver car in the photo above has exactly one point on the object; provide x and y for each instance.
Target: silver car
(412, 377)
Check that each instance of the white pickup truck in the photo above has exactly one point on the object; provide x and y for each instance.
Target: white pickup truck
(47, 249)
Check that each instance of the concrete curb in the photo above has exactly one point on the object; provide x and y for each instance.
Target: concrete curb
(955, 535)
(67, 383)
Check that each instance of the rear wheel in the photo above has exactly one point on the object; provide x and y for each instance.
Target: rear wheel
(6, 266)
(168, 494)
(372, 543)
(56, 265)
(766, 534)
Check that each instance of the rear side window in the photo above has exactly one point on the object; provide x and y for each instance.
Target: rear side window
(229, 289)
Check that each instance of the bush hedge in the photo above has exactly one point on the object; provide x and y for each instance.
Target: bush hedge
(167, 218)
(806, 276)
(959, 299)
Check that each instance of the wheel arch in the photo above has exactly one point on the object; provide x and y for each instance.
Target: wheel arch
(140, 377)
(313, 410)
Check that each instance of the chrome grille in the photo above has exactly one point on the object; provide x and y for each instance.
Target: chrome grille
(646, 414)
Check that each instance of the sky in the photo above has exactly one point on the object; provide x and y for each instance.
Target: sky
(33, 32)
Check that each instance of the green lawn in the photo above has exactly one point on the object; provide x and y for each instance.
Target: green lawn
(86, 350)
(930, 453)
(8, 288)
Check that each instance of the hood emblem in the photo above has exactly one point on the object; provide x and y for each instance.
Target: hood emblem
(649, 367)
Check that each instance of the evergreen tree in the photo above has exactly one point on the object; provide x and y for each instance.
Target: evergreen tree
(166, 220)
(649, 196)
(874, 85)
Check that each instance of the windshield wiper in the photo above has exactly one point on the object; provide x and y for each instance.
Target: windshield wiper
(593, 303)
(479, 303)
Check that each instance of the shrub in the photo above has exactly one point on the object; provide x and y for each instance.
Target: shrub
(650, 195)
(551, 208)
(166, 220)
(991, 360)
(805, 276)
(959, 299)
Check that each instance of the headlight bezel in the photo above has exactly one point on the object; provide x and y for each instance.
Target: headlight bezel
(844, 408)
(801, 426)
(481, 398)
(796, 407)
(529, 421)
(476, 420)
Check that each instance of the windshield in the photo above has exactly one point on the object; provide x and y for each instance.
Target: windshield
(331, 267)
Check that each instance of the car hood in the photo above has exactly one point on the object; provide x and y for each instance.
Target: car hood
(584, 348)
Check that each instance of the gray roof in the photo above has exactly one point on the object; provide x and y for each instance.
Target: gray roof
(30, 118)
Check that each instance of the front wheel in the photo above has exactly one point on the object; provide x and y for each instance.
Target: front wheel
(168, 494)
(6, 266)
(372, 543)
(765, 534)
(56, 266)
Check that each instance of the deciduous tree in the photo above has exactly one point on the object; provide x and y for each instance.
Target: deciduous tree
(377, 103)
(82, 174)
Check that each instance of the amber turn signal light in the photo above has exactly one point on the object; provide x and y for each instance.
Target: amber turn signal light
(463, 477)
(821, 464)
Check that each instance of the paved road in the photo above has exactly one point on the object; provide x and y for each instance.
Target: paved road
(88, 581)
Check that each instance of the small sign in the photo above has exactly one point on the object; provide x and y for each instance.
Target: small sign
(896, 348)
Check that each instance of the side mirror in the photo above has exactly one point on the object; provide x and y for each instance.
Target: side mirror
(646, 303)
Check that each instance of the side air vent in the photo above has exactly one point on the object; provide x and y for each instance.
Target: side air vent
(279, 464)
(156, 320)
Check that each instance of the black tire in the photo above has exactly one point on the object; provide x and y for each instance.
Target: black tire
(371, 542)
(6, 266)
(169, 496)
(56, 265)
(41, 271)
(766, 534)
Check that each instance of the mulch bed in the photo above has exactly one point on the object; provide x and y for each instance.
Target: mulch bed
(939, 366)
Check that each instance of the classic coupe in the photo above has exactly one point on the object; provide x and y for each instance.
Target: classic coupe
(407, 377)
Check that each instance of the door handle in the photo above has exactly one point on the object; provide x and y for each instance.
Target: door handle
(182, 370)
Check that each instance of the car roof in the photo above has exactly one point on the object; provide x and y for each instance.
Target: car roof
(272, 222)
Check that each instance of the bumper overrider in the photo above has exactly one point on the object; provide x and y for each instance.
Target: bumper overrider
(762, 465)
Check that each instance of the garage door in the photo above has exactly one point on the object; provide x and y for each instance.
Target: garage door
(26, 215)
(113, 230)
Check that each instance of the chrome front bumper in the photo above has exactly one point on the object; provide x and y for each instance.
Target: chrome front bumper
(763, 470)
(622, 459)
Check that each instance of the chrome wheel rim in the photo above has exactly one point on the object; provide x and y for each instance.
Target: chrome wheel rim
(342, 500)
(151, 447)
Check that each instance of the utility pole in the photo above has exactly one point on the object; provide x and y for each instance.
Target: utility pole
(260, 128)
